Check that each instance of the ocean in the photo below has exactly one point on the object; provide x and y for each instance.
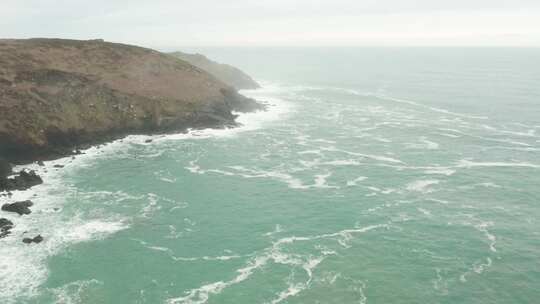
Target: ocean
(377, 175)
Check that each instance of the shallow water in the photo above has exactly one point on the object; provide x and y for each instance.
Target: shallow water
(376, 176)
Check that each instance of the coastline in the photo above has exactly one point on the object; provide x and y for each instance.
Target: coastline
(40, 166)
(244, 121)
(60, 96)
(47, 218)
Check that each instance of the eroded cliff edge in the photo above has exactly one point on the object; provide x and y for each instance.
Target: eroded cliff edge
(58, 95)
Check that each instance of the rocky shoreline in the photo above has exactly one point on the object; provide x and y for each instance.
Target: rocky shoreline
(10, 181)
(25, 179)
(60, 97)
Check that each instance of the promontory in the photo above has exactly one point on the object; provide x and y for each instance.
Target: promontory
(229, 74)
(58, 95)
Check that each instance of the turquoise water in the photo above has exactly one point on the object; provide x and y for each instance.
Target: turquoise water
(377, 176)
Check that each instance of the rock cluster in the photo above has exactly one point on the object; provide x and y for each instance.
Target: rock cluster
(5, 227)
(21, 181)
(20, 208)
(36, 239)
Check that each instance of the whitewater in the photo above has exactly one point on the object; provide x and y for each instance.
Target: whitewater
(365, 185)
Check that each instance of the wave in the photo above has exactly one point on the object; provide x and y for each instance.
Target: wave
(170, 252)
(355, 181)
(462, 164)
(424, 144)
(274, 254)
(389, 98)
(292, 182)
(440, 284)
(277, 109)
(319, 180)
(434, 109)
(368, 156)
(465, 163)
(478, 268)
(483, 227)
(24, 267)
(491, 139)
(422, 185)
(71, 293)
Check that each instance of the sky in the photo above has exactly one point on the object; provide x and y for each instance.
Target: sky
(170, 24)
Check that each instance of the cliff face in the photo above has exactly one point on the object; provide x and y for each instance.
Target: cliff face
(59, 94)
(224, 72)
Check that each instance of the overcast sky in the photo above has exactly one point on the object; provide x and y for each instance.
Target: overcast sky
(167, 24)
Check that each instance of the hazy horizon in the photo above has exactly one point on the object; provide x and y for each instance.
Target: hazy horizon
(169, 25)
(332, 152)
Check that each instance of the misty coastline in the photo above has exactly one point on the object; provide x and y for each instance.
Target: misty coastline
(42, 83)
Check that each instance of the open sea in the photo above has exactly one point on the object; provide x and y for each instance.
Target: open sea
(377, 175)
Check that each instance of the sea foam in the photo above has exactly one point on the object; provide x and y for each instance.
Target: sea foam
(24, 267)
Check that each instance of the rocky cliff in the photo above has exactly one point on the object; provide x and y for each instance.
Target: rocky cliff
(57, 95)
(224, 72)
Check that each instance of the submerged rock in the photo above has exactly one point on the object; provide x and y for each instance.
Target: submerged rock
(37, 239)
(5, 227)
(19, 207)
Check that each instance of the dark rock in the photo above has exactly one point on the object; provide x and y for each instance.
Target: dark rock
(58, 166)
(37, 239)
(18, 207)
(30, 178)
(5, 227)
(23, 181)
(40, 163)
(148, 141)
(241, 103)
(5, 168)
